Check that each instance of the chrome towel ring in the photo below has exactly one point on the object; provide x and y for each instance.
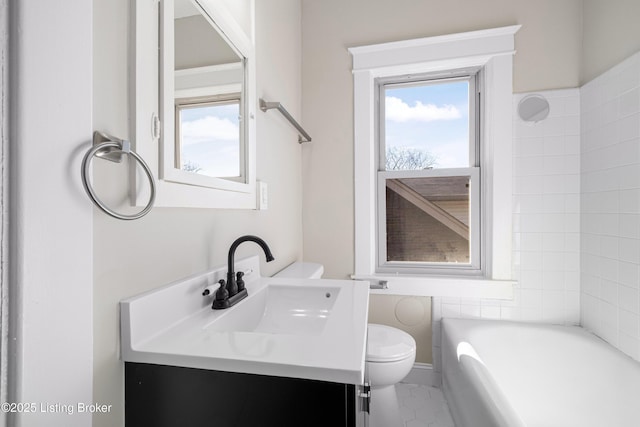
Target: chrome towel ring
(112, 149)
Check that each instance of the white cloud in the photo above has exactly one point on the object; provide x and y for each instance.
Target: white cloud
(453, 154)
(399, 111)
(209, 128)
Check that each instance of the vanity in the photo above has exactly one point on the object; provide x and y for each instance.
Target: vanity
(291, 353)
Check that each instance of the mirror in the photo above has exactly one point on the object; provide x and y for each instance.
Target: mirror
(193, 101)
(204, 135)
(208, 97)
(533, 108)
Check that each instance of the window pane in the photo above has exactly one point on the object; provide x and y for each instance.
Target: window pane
(428, 219)
(426, 125)
(209, 138)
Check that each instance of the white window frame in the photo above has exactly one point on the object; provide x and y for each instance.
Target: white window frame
(492, 50)
(173, 158)
(472, 170)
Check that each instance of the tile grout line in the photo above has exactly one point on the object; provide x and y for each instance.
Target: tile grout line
(423, 406)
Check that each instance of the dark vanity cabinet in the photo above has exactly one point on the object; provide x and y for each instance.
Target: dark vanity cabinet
(169, 396)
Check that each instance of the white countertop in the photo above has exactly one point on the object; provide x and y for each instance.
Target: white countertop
(175, 325)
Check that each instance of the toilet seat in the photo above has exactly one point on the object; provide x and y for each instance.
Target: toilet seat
(387, 344)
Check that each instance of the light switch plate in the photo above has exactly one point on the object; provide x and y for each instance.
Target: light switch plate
(263, 196)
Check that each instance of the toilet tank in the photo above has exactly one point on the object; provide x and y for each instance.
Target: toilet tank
(302, 270)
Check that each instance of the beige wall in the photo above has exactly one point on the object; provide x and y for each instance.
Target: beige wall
(191, 50)
(548, 49)
(171, 243)
(611, 34)
(408, 313)
(548, 56)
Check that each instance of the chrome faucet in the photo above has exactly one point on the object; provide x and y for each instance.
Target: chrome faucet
(233, 291)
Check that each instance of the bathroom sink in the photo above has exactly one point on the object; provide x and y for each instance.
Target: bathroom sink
(295, 309)
(301, 328)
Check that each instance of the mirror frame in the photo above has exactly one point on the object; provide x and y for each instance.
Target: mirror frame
(168, 170)
(153, 109)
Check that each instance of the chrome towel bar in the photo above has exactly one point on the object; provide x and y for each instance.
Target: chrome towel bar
(265, 106)
(110, 148)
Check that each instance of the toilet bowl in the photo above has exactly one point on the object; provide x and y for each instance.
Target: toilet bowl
(389, 358)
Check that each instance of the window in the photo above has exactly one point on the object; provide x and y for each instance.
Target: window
(428, 186)
(208, 136)
(426, 64)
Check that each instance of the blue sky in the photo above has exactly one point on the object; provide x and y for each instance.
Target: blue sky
(210, 139)
(432, 118)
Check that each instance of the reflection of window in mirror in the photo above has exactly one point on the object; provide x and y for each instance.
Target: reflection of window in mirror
(196, 55)
(208, 95)
(208, 136)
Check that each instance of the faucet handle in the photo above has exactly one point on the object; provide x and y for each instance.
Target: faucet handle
(222, 293)
(239, 280)
(208, 290)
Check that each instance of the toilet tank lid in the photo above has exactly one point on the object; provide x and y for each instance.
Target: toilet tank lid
(302, 270)
(388, 344)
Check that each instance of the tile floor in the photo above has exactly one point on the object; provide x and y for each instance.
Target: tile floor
(423, 406)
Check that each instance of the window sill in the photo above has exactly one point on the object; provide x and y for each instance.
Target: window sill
(442, 286)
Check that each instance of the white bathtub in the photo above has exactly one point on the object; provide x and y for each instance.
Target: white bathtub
(509, 374)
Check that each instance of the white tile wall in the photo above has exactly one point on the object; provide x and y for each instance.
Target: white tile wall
(610, 206)
(546, 210)
(576, 205)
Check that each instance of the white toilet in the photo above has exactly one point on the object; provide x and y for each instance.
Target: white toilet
(390, 356)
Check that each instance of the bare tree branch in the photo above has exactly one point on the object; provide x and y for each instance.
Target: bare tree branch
(190, 166)
(399, 158)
